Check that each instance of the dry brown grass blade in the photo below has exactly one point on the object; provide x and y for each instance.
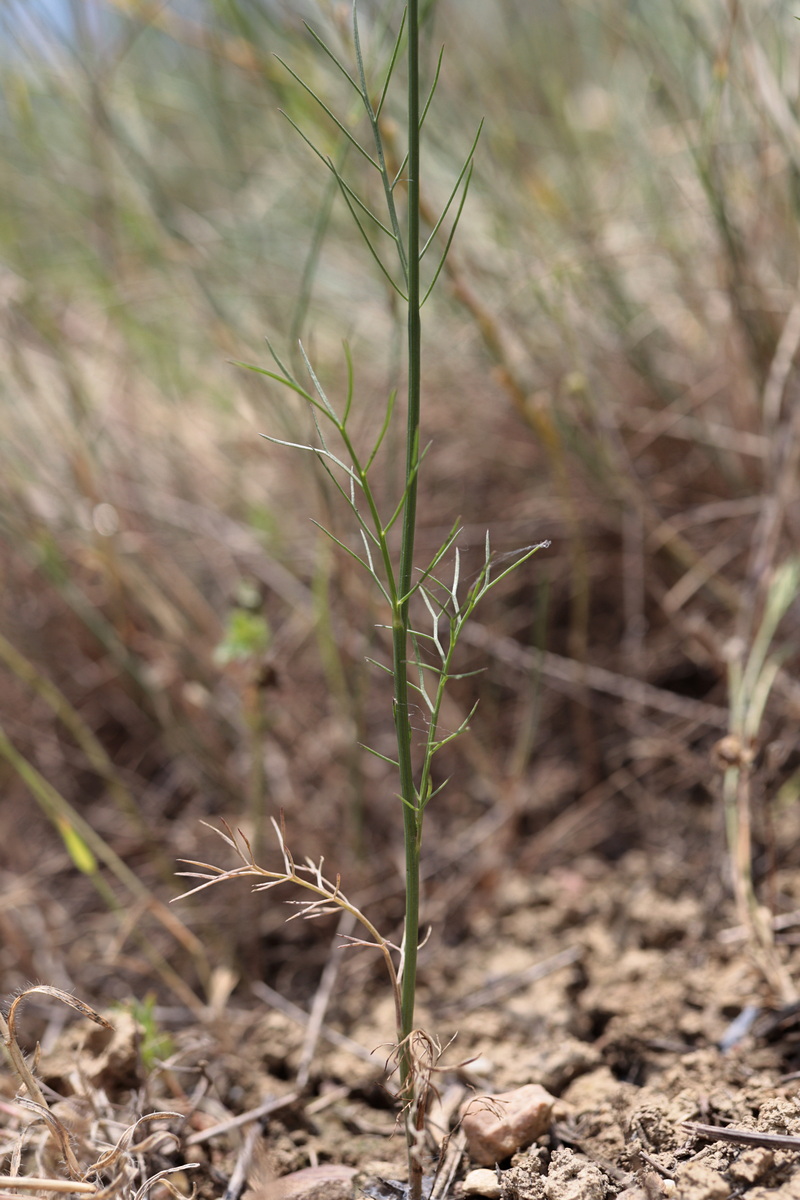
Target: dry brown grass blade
(8, 1027)
(322, 998)
(253, 1114)
(565, 671)
(30, 1183)
(112, 1156)
(46, 989)
(59, 1133)
(64, 816)
(38, 682)
(161, 1177)
(35, 1100)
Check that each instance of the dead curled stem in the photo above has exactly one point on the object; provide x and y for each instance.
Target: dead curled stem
(34, 1102)
(8, 1029)
(308, 876)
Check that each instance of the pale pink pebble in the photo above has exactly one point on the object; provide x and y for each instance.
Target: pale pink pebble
(330, 1181)
(497, 1126)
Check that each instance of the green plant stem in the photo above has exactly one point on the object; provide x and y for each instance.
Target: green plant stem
(412, 807)
(412, 813)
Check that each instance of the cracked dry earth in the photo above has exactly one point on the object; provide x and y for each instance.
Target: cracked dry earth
(616, 987)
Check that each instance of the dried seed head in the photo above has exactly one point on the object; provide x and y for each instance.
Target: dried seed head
(731, 751)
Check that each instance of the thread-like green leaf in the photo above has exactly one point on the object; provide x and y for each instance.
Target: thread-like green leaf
(392, 63)
(323, 45)
(344, 185)
(466, 170)
(387, 419)
(432, 89)
(383, 269)
(328, 112)
(289, 383)
(318, 388)
(377, 754)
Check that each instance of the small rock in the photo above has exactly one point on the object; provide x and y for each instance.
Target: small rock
(573, 1177)
(482, 1182)
(751, 1166)
(497, 1126)
(697, 1181)
(329, 1181)
(525, 1180)
(560, 1064)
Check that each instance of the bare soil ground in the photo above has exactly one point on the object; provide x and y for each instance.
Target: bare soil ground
(615, 984)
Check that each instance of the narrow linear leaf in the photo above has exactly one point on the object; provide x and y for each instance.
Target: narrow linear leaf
(323, 45)
(449, 242)
(432, 89)
(383, 269)
(392, 64)
(377, 754)
(278, 363)
(322, 157)
(292, 445)
(530, 551)
(320, 452)
(342, 545)
(387, 419)
(318, 388)
(282, 379)
(344, 185)
(466, 170)
(368, 552)
(400, 172)
(328, 112)
(432, 669)
(438, 789)
(424, 637)
(398, 512)
(456, 576)
(374, 662)
(348, 358)
(347, 549)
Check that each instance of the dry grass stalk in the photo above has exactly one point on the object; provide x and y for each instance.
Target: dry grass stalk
(93, 1168)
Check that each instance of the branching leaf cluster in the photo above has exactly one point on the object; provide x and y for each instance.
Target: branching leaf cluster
(450, 605)
(423, 660)
(326, 894)
(371, 226)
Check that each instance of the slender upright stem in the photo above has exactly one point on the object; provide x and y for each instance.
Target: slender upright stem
(412, 812)
(410, 801)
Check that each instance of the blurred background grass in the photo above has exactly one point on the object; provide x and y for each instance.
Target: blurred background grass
(610, 364)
